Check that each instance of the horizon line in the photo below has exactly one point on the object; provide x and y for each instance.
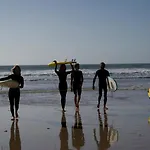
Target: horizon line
(81, 64)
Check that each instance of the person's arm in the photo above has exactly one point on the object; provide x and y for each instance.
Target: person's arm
(5, 78)
(22, 83)
(55, 66)
(71, 81)
(82, 78)
(68, 72)
(94, 79)
(107, 79)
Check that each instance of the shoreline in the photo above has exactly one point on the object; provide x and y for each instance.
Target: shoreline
(41, 121)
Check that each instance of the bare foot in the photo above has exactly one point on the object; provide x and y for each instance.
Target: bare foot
(77, 105)
(77, 109)
(17, 116)
(64, 110)
(13, 118)
(106, 108)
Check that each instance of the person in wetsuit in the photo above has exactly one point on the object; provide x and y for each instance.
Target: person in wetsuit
(102, 74)
(76, 84)
(62, 74)
(14, 93)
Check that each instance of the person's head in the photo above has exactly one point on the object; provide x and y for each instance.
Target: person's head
(62, 67)
(16, 70)
(102, 65)
(77, 66)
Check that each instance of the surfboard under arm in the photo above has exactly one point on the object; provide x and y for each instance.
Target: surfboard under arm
(112, 84)
(148, 93)
(9, 84)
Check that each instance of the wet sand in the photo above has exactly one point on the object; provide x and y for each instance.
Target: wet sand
(124, 126)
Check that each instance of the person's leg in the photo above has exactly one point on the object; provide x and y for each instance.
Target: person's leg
(11, 101)
(75, 94)
(79, 94)
(105, 97)
(99, 97)
(75, 99)
(63, 98)
(63, 92)
(17, 100)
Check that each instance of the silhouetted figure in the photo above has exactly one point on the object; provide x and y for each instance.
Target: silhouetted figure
(15, 141)
(14, 93)
(77, 132)
(76, 84)
(63, 134)
(62, 74)
(104, 142)
(102, 74)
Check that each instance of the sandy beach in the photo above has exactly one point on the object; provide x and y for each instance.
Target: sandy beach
(124, 126)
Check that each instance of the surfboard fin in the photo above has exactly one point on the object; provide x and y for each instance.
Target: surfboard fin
(73, 60)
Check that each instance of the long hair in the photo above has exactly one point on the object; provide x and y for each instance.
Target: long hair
(16, 70)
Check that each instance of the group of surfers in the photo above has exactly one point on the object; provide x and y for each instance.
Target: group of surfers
(77, 80)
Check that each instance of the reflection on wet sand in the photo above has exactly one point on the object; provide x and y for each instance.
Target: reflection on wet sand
(77, 132)
(15, 141)
(108, 135)
(63, 134)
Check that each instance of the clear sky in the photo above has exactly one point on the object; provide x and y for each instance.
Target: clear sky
(39, 31)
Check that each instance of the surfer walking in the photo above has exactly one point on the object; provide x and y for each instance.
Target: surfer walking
(76, 84)
(14, 93)
(102, 74)
(62, 74)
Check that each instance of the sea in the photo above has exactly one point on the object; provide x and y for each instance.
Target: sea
(41, 81)
(43, 77)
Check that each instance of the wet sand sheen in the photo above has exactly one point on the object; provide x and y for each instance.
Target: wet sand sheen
(48, 133)
(123, 126)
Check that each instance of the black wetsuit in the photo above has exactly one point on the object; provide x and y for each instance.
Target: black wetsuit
(14, 93)
(77, 78)
(102, 75)
(63, 85)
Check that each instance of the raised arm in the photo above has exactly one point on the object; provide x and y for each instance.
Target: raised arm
(94, 79)
(68, 72)
(55, 65)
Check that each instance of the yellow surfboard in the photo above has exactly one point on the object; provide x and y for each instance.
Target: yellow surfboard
(149, 92)
(51, 64)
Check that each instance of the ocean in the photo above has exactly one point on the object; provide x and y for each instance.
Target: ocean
(41, 83)
(42, 77)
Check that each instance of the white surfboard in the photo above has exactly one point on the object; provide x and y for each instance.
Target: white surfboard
(9, 84)
(148, 92)
(112, 84)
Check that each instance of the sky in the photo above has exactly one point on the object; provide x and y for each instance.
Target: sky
(36, 32)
